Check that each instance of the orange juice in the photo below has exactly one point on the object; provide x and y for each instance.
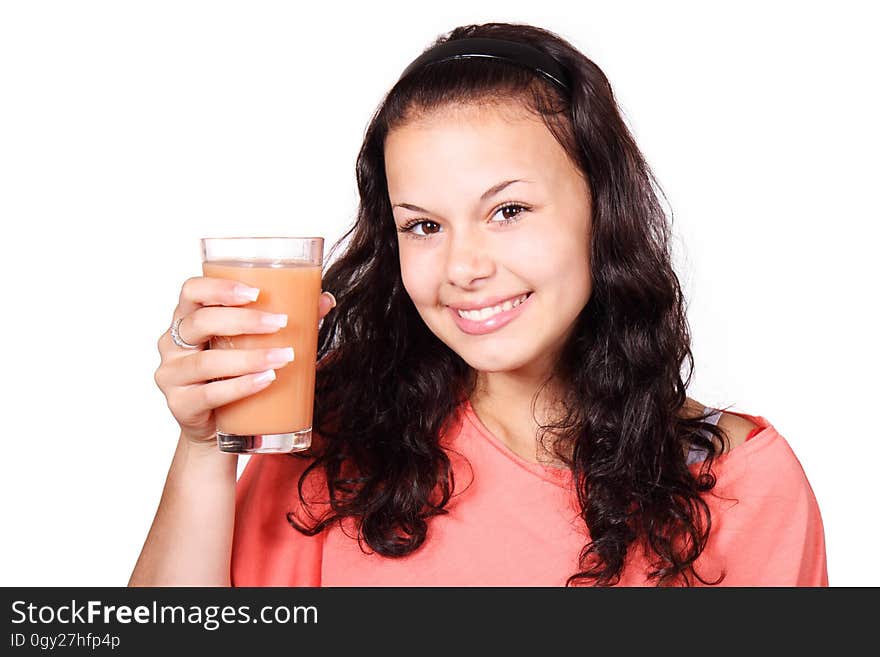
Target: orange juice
(286, 405)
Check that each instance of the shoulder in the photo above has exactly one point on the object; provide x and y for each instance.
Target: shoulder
(272, 480)
(735, 427)
(768, 528)
(763, 471)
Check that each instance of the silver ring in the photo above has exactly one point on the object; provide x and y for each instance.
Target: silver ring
(179, 341)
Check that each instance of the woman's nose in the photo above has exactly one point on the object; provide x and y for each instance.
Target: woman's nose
(469, 257)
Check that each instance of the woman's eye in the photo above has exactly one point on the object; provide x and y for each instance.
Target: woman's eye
(511, 206)
(506, 211)
(410, 228)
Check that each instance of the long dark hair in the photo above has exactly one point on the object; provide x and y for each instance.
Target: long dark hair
(387, 388)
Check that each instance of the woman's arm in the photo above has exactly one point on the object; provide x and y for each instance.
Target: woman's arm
(190, 541)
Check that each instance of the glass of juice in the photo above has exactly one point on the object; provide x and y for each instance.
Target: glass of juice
(287, 271)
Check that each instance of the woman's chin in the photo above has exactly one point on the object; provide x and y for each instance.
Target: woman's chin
(502, 362)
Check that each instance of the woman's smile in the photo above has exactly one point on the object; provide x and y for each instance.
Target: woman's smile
(488, 320)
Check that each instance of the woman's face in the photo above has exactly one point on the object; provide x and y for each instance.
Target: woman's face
(441, 172)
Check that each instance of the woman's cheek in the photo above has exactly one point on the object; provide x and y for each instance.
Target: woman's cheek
(535, 246)
(417, 273)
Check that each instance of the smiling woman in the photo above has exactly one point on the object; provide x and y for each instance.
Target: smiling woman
(499, 395)
(508, 316)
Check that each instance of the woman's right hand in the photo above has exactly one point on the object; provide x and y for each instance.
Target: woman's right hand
(188, 377)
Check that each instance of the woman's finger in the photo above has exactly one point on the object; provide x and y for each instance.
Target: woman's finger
(210, 321)
(207, 291)
(211, 364)
(326, 303)
(190, 402)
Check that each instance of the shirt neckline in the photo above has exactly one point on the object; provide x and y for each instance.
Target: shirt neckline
(561, 476)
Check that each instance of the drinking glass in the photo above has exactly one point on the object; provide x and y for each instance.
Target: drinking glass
(287, 271)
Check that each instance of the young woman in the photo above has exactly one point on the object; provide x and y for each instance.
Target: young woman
(499, 398)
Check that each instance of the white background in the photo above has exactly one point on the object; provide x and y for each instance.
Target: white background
(130, 130)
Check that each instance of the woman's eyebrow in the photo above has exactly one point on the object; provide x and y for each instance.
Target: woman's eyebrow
(489, 193)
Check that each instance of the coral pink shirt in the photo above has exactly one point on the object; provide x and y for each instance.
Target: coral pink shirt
(512, 522)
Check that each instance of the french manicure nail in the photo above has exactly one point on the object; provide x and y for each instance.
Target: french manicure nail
(264, 377)
(280, 356)
(245, 292)
(278, 321)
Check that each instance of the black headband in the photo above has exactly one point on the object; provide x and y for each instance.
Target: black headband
(511, 51)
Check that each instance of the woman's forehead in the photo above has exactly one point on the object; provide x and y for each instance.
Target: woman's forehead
(470, 146)
(469, 138)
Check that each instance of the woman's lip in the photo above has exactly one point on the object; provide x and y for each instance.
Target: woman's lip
(490, 324)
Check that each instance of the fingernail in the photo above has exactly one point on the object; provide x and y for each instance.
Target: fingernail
(245, 292)
(280, 356)
(264, 377)
(278, 321)
(332, 298)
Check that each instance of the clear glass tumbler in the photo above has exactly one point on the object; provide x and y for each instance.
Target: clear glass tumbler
(287, 271)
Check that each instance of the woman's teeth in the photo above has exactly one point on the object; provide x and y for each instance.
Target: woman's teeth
(485, 313)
